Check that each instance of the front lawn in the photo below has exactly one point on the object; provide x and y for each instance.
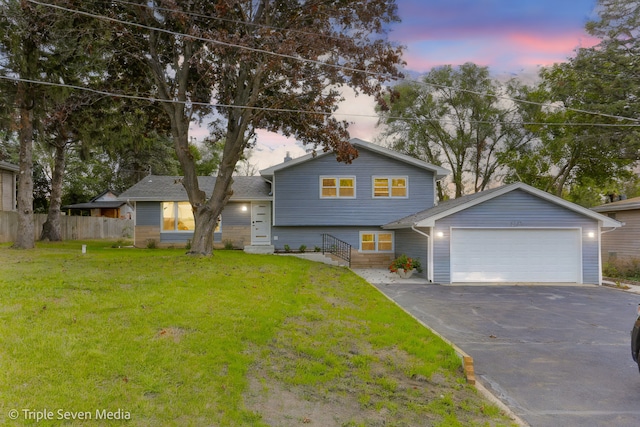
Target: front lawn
(122, 336)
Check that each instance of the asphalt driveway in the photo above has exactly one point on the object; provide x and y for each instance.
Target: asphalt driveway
(556, 355)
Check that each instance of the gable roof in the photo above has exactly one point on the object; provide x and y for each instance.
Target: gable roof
(620, 205)
(101, 197)
(170, 189)
(99, 203)
(358, 143)
(428, 217)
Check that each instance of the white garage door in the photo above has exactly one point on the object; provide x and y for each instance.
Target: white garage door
(515, 255)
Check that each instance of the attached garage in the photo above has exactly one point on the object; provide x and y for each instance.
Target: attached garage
(515, 233)
(515, 255)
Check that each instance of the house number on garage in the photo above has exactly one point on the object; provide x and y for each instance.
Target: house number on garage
(516, 224)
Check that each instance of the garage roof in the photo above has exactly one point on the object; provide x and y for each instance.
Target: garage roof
(428, 217)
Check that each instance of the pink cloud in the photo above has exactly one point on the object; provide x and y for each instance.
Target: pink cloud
(510, 51)
(552, 44)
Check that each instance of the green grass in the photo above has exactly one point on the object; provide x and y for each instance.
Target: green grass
(174, 340)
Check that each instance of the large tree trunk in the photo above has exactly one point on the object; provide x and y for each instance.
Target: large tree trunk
(51, 229)
(202, 243)
(26, 229)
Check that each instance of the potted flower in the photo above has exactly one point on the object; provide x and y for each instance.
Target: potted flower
(405, 266)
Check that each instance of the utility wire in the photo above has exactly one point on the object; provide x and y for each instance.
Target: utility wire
(284, 110)
(208, 40)
(321, 63)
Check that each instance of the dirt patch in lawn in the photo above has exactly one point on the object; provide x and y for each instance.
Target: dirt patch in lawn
(378, 393)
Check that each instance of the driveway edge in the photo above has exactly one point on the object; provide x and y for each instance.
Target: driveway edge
(467, 365)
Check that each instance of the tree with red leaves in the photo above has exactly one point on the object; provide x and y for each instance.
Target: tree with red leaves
(277, 65)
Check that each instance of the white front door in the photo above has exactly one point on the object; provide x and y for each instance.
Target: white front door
(260, 223)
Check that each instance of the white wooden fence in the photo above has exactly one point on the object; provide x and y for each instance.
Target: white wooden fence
(73, 227)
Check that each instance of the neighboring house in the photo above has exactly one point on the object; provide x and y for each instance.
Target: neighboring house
(106, 204)
(8, 179)
(622, 244)
(511, 233)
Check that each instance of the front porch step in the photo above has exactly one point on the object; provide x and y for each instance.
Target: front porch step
(259, 249)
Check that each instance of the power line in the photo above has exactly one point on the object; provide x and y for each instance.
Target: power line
(208, 40)
(284, 110)
(321, 63)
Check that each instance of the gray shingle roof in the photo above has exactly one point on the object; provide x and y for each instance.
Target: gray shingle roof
(621, 205)
(96, 205)
(170, 188)
(9, 167)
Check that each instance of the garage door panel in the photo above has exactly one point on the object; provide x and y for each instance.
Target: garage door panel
(515, 255)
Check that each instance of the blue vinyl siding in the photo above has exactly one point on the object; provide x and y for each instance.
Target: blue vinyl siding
(312, 236)
(148, 213)
(233, 215)
(413, 245)
(298, 202)
(513, 210)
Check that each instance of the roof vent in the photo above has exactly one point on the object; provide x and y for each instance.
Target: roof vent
(287, 157)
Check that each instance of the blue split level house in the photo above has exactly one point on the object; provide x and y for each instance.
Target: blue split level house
(382, 205)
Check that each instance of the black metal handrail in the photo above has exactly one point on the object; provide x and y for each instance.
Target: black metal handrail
(336, 247)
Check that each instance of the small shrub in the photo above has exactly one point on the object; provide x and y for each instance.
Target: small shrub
(188, 245)
(302, 248)
(317, 249)
(627, 268)
(287, 248)
(152, 244)
(228, 244)
(405, 263)
(610, 269)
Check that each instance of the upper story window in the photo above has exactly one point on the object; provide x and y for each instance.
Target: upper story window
(178, 216)
(337, 186)
(391, 186)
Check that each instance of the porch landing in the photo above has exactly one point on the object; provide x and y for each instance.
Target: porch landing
(259, 249)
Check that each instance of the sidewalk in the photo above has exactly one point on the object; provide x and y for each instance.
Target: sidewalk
(384, 276)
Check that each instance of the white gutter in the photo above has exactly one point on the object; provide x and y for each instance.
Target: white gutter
(429, 253)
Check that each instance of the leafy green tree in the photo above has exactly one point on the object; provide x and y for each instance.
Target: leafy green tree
(583, 143)
(23, 36)
(40, 44)
(9, 146)
(455, 118)
(274, 64)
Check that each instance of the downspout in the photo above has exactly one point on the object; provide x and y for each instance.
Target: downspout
(429, 253)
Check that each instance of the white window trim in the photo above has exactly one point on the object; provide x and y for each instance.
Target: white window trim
(389, 178)
(337, 178)
(376, 233)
